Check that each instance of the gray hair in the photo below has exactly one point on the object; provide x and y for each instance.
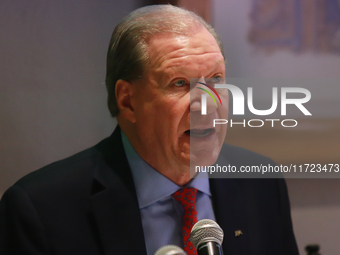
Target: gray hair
(128, 57)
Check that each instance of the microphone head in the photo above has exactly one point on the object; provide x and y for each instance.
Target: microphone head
(206, 231)
(170, 250)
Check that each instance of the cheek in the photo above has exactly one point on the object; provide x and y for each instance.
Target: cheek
(145, 106)
(181, 114)
(162, 111)
(155, 118)
(224, 109)
(173, 107)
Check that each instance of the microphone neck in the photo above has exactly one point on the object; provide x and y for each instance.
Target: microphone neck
(209, 248)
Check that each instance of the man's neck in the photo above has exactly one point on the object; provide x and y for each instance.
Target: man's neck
(180, 176)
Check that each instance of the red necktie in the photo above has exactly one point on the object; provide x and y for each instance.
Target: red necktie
(187, 197)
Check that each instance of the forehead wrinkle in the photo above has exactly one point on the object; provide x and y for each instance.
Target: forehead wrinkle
(169, 55)
(159, 61)
(181, 55)
(181, 62)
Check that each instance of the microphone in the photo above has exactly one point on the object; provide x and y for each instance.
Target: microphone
(170, 250)
(207, 236)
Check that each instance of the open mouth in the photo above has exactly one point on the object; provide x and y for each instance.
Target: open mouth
(200, 132)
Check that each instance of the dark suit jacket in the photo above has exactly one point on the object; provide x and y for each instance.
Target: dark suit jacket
(87, 204)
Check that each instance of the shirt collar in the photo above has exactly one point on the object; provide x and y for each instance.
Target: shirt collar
(151, 186)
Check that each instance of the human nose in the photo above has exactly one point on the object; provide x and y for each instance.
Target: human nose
(202, 99)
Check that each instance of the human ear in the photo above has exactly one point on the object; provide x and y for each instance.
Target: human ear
(124, 92)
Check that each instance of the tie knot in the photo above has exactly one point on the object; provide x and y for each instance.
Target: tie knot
(186, 197)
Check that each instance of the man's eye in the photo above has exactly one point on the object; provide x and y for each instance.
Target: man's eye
(180, 83)
(216, 79)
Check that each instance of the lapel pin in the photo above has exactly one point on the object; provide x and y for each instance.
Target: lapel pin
(238, 233)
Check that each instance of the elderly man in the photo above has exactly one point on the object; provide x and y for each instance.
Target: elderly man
(124, 195)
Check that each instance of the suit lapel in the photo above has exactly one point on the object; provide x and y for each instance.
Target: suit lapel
(116, 212)
(230, 214)
(114, 201)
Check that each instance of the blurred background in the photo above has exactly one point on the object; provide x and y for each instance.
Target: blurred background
(53, 96)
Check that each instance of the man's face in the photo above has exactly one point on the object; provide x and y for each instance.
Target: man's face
(161, 102)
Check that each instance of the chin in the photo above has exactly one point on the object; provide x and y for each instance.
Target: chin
(204, 158)
(184, 159)
(202, 161)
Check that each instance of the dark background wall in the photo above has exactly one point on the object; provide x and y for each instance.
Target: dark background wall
(52, 91)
